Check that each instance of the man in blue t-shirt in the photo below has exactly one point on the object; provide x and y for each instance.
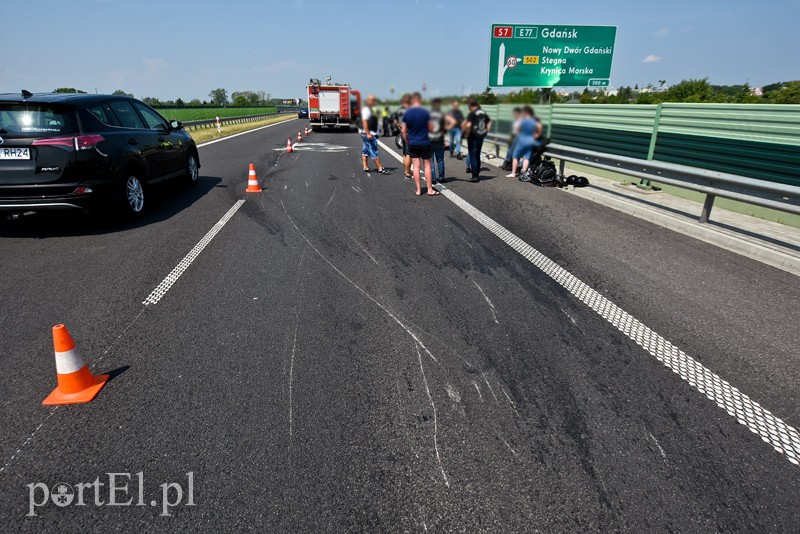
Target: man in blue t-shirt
(416, 126)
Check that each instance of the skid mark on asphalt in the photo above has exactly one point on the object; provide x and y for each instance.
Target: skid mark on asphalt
(362, 291)
(291, 373)
(511, 402)
(489, 385)
(509, 448)
(361, 246)
(478, 389)
(660, 450)
(489, 302)
(782, 437)
(435, 421)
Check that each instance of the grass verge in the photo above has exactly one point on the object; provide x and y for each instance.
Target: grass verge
(209, 134)
(767, 214)
(200, 114)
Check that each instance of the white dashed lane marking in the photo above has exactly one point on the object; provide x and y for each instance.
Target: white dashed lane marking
(773, 430)
(162, 288)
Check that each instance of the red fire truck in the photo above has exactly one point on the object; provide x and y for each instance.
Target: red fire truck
(332, 105)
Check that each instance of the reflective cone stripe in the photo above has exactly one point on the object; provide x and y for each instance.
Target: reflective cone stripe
(76, 384)
(289, 145)
(252, 181)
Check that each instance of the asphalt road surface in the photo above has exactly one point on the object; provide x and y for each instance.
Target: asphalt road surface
(345, 356)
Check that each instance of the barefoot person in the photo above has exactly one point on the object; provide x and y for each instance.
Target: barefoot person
(369, 135)
(416, 127)
(527, 130)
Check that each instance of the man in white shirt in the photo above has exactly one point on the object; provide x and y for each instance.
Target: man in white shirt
(370, 129)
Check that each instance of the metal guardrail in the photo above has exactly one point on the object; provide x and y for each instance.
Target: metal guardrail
(782, 197)
(212, 123)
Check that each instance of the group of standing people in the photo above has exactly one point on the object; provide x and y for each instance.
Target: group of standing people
(424, 133)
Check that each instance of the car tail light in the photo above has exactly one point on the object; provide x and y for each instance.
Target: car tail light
(82, 142)
(82, 191)
(87, 142)
(67, 143)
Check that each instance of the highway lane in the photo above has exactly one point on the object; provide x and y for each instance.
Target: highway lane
(345, 356)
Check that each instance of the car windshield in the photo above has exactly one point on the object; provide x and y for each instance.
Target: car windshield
(28, 119)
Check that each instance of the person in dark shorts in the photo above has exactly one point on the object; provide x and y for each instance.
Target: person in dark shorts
(416, 127)
(476, 126)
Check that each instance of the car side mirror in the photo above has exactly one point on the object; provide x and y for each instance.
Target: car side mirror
(176, 125)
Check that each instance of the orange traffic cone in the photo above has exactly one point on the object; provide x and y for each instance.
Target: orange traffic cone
(252, 181)
(306, 131)
(289, 145)
(76, 384)
(299, 136)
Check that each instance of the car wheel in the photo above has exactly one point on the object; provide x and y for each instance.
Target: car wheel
(192, 170)
(133, 195)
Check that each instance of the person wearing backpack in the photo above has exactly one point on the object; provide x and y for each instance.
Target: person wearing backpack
(436, 136)
(476, 126)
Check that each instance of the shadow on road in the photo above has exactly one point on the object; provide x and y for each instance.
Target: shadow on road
(116, 372)
(164, 201)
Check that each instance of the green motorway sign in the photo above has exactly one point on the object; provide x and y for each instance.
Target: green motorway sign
(546, 55)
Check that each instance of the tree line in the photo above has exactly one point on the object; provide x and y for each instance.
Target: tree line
(217, 98)
(694, 91)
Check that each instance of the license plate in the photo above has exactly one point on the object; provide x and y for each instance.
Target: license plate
(14, 153)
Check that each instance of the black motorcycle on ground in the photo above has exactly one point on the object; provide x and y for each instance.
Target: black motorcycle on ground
(542, 171)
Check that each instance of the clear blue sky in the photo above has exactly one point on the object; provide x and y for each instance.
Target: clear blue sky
(182, 48)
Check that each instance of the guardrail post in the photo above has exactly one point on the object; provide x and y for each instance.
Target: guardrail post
(654, 136)
(707, 205)
(653, 139)
(561, 167)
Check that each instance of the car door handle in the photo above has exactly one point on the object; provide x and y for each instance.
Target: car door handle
(133, 141)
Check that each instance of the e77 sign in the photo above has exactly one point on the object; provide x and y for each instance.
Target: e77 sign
(542, 55)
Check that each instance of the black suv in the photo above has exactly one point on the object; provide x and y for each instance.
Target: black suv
(62, 151)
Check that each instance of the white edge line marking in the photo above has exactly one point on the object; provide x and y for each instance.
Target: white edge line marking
(244, 133)
(782, 437)
(162, 288)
